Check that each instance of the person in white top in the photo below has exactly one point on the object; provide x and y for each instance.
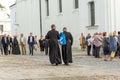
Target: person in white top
(23, 44)
(89, 45)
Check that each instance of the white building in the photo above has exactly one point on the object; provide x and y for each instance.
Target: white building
(79, 16)
(5, 25)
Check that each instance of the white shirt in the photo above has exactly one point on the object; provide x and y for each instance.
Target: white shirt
(22, 39)
(31, 39)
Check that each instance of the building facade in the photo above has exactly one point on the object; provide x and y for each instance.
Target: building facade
(79, 16)
(5, 25)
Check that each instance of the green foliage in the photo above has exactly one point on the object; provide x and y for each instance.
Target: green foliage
(1, 6)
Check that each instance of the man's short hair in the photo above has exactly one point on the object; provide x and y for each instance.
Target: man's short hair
(52, 26)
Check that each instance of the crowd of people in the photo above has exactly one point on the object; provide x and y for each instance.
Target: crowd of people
(9, 45)
(47, 45)
(101, 45)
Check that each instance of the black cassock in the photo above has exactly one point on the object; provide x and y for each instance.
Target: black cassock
(54, 50)
(66, 49)
(15, 47)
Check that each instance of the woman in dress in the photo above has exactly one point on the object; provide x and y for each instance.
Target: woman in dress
(82, 42)
(113, 45)
(15, 46)
(35, 43)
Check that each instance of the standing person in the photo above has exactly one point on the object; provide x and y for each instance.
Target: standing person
(36, 43)
(66, 48)
(97, 43)
(54, 50)
(89, 40)
(23, 44)
(5, 44)
(15, 46)
(1, 46)
(119, 43)
(31, 43)
(113, 46)
(101, 49)
(105, 46)
(82, 42)
(42, 44)
(93, 46)
(9, 44)
(46, 46)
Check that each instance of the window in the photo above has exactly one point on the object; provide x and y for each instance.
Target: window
(1, 29)
(47, 7)
(76, 4)
(60, 6)
(92, 13)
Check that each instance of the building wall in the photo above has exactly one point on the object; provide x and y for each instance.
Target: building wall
(5, 21)
(76, 20)
(28, 17)
(13, 20)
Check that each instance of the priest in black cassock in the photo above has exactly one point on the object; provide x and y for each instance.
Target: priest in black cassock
(54, 50)
(66, 49)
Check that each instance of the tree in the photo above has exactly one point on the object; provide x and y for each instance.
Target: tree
(1, 6)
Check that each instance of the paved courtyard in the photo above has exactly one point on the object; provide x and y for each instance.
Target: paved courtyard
(37, 67)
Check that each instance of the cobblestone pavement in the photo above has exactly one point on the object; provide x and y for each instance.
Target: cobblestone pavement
(37, 67)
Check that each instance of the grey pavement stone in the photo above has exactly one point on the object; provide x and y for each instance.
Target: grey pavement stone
(37, 67)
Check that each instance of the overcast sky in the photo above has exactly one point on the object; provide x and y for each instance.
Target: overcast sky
(7, 3)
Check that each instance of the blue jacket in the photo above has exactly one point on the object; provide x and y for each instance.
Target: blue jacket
(33, 41)
(113, 43)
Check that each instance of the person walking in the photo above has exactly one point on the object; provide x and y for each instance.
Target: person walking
(5, 44)
(82, 42)
(113, 45)
(15, 46)
(97, 43)
(119, 43)
(89, 40)
(1, 46)
(9, 44)
(31, 43)
(105, 46)
(36, 43)
(54, 50)
(66, 48)
(42, 45)
(23, 44)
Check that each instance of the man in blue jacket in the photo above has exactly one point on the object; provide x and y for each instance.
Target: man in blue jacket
(31, 43)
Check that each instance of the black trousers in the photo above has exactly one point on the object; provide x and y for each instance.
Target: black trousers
(5, 47)
(65, 54)
(97, 51)
(31, 47)
(88, 50)
(46, 50)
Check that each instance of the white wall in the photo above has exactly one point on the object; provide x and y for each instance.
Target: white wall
(13, 20)
(28, 17)
(5, 21)
(76, 20)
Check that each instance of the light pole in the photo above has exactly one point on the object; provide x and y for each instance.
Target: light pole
(40, 17)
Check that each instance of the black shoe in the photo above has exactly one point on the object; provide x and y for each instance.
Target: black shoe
(66, 64)
(105, 60)
(56, 64)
